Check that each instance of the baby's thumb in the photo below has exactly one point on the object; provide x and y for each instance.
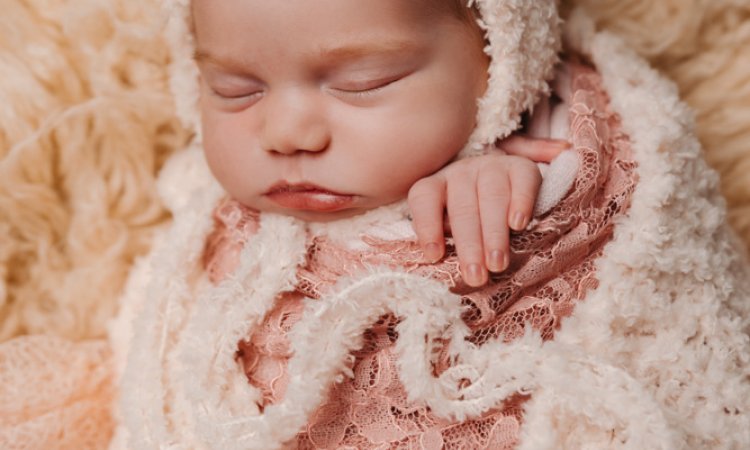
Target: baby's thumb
(537, 150)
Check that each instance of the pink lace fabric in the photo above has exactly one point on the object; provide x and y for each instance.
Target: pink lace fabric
(55, 394)
(552, 267)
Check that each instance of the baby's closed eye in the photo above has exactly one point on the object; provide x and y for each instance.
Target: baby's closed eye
(228, 86)
(366, 86)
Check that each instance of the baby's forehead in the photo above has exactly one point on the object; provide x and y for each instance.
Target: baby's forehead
(412, 9)
(252, 22)
(527, 31)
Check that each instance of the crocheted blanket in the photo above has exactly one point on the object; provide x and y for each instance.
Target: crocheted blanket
(654, 354)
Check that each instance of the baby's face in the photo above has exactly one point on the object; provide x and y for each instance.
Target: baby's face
(324, 109)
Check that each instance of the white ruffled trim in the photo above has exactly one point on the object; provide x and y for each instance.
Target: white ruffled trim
(211, 383)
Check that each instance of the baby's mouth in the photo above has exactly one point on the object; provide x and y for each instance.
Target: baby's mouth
(308, 197)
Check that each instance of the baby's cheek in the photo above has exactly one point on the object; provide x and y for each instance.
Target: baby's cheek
(227, 163)
(223, 172)
(216, 161)
(444, 139)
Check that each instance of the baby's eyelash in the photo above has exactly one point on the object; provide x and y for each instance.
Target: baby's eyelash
(235, 97)
(365, 92)
(370, 90)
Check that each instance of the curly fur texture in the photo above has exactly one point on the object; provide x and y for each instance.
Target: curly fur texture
(87, 121)
(704, 46)
(85, 124)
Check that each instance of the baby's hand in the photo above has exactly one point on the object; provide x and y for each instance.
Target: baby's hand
(483, 196)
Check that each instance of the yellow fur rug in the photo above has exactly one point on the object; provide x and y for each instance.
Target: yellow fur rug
(86, 121)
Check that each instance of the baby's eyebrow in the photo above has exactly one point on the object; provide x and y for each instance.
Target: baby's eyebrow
(331, 55)
(205, 56)
(369, 48)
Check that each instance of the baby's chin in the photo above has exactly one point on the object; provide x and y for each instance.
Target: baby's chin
(357, 209)
(323, 217)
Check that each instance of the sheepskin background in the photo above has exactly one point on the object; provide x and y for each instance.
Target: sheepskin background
(86, 122)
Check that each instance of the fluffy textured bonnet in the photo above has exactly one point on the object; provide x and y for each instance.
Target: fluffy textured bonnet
(524, 41)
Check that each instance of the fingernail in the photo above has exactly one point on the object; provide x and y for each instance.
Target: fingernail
(474, 275)
(432, 252)
(496, 261)
(506, 262)
(519, 221)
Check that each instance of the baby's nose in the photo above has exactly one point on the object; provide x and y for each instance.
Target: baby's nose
(294, 123)
(309, 140)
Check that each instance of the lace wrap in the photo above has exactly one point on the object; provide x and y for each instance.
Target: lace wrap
(552, 267)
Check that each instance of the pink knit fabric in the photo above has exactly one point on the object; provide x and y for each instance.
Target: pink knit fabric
(55, 394)
(552, 266)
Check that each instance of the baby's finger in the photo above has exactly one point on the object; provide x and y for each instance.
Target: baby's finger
(525, 180)
(494, 192)
(538, 150)
(463, 213)
(427, 202)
